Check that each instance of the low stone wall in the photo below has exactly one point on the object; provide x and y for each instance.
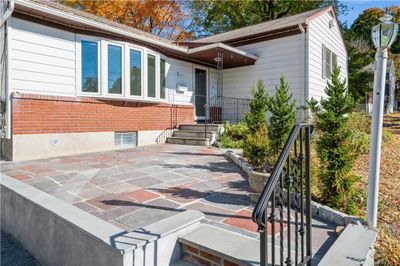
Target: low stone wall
(57, 233)
(318, 210)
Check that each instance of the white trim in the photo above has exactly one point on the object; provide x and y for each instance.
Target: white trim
(222, 46)
(105, 65)
(194, 88)
(99, 25)
(78, 65)
(9, 86)
(128, 75)
(146, 75)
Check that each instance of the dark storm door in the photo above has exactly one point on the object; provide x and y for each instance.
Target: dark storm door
(200, 92)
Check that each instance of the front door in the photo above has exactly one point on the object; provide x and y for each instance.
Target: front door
(200, 92)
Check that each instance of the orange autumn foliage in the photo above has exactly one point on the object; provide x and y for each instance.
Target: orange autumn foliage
(164, 18)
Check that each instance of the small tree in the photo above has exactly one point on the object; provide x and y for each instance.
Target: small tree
(256, 118)
(333, 149)
(283, 116)
(256, 146)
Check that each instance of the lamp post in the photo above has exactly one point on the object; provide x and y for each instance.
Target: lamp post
(383, 35)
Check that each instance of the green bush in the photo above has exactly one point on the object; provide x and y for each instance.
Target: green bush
(257, 149)
(335, 155)
(360, 126)
(359, 122)
(256, 118)
(234, 135)
(283, 116)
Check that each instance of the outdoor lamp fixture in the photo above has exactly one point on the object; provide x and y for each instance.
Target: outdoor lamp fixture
(383, 35)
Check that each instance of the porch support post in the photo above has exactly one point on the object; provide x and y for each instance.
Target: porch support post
(220, 68)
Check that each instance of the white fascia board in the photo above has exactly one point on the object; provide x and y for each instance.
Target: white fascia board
(222, 46)
(86, 21)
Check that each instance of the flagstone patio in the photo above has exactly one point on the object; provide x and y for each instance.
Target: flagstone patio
(134, 187)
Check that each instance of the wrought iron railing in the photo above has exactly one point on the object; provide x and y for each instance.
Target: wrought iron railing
(288, 189)
(162, 138)
(226, 109)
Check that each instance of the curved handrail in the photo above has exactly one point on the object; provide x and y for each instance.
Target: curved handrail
(258, 212)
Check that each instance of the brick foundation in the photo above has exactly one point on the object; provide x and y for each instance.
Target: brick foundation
(203, 258)
(40, 114)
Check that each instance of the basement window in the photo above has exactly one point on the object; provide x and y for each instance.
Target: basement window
(125, 139)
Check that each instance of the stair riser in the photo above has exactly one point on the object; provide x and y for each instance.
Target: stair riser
(185, 134)
(199, 127)
(188, 142)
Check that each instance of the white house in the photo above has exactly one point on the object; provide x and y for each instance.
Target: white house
(73, 82)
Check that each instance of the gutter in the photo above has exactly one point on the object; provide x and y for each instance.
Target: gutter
(8, 13)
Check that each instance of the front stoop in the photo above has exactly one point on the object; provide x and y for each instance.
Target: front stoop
(194, 134)
(211, 245)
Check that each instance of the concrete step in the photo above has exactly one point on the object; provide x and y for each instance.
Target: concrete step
(225, 247)
(189, 141)
(192, 134)
(200, 127)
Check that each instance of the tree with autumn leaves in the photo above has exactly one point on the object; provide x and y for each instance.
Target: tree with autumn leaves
(165, 18)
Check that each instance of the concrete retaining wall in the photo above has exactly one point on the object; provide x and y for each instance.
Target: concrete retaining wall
(57, 233)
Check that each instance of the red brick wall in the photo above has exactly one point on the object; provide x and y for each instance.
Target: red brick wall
(203, 258)
(35, 114)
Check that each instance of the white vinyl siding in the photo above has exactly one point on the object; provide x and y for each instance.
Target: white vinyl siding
(320, 34)
(284, 56)
(42, 59)
(46, 60)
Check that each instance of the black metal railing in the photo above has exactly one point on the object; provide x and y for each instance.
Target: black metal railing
(226, 109)
(162, 138)
(288, 189)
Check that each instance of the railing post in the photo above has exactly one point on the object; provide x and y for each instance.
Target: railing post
(308, 194)
(264, 243)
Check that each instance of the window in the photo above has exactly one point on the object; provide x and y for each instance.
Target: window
(151, 76)
(114, 69)
(162, 79)
(125, 139)
(90, 66)
(329, 61)
(135, 72)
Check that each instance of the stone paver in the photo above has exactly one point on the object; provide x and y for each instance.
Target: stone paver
(134, 187)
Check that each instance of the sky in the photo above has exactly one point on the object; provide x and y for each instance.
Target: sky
(357, 6)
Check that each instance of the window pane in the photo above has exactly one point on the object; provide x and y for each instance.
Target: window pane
(114, 69)
(328, 63)
(334, 60)
(135, 69)
(151, 76)
(162, 79)
(89, 67)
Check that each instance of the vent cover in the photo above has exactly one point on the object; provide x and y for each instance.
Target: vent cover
(125, 139)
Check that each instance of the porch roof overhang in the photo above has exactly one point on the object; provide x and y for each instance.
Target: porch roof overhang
(232, 57)
(65, 18)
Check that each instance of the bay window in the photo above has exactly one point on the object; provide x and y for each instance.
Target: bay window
(162, 78)
(151, 75)
(114, 69)
(119, 70)
(90, 66)
(135, 72)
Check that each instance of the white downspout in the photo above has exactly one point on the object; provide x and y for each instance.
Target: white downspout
(8, 13)
(6, 39)
(306, 94)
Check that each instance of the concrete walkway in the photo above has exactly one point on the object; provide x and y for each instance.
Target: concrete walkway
(134, 187)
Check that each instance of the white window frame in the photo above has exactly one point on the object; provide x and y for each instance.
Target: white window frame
(123, 70)
(127, 67)
(324, 61)
(78, 65)
(157, 81)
